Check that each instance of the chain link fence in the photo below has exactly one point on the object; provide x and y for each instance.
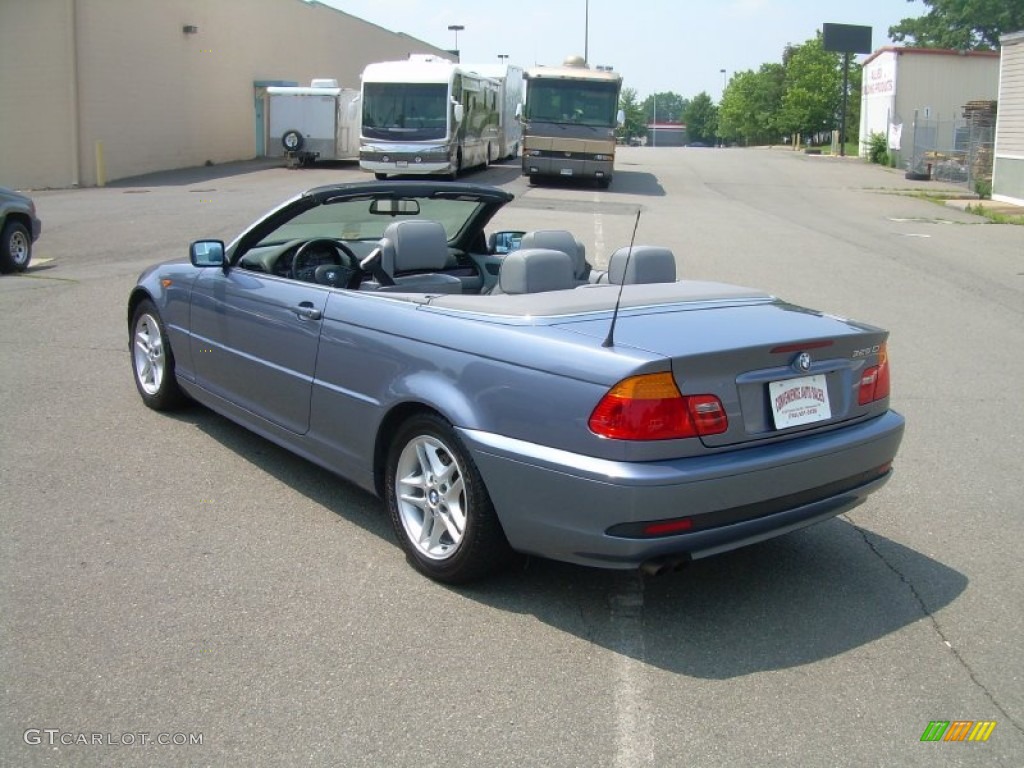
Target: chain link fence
(957, 151)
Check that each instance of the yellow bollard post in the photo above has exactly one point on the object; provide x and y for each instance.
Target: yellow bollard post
(101, 168)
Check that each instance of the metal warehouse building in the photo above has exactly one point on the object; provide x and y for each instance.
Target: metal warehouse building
(124, 88)
(933, 84)
(1008, 173)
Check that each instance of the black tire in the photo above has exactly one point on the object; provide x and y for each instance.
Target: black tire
(292, 141)
(459, 497)
(153, 360)
(380, 176)
(15, 248)
(604, 183)
(458, 167)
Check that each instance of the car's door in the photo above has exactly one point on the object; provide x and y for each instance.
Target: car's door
(254, 342)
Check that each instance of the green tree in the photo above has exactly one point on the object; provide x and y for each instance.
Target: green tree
(701, 118)
(634, 113)
(813, 81)
(751, 104)
(670, 107)
(961, 24)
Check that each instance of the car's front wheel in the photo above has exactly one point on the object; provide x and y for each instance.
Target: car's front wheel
(438, 505)
(15, 248)
(153, 360)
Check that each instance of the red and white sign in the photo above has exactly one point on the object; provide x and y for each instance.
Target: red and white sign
(799, 401)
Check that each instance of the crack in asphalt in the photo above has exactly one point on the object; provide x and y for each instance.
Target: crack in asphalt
(865, 535)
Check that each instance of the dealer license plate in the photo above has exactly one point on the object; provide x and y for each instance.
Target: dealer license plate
(799, 401)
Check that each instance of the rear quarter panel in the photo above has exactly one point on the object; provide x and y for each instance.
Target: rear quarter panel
(530, 382)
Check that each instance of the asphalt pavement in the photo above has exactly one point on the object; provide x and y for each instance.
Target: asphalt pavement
(177, 591)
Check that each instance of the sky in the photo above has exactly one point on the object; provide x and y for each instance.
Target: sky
(657, 45)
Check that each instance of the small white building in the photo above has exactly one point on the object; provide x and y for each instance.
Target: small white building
(932, 83)
(1008, 170)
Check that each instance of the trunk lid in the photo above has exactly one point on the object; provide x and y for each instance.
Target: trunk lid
(777, 368)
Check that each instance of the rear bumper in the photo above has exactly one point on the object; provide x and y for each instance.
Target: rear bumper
(561, 505)
(570, 168)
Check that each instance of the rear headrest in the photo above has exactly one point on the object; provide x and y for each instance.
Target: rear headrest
(408, 245)
(536, 270)
(648, 264)
(559, 240)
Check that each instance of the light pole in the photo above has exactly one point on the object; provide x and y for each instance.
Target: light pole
(586, 33)
(456, 28)
(502, 57)
(723, 79)
(654, 129)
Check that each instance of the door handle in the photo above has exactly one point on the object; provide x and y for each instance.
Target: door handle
(306, 311)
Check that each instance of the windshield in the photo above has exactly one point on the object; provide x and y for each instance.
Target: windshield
(352, 220)
(572, 101)
(405, 111)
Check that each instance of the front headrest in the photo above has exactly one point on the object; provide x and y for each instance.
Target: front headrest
(536, 270)
(647, 264)
(409, 245)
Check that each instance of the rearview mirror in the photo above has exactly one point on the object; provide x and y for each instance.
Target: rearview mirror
(388, 206)
(207, 253)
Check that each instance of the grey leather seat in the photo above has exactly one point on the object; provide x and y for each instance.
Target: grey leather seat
(560, 240)
(419, 247)
(647, 264)
(535, 270)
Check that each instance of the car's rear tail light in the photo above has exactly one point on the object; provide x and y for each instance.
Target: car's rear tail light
(650, 407)
(874, 382)
(708, 414)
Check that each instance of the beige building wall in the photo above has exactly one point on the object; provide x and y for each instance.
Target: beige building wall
(154, 96)
(37, 103)
(1008, 171)
(943, 82)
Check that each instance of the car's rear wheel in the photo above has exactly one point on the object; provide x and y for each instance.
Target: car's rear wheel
(153, 360)
(15, 248)
(439, 507)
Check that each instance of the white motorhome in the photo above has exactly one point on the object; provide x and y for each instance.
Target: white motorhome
(320, 122)
(427, 115)
(510, 96)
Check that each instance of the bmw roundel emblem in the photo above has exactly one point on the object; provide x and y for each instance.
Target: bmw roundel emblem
(803, 362)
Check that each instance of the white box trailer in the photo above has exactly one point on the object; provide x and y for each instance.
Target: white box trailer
(320, 122)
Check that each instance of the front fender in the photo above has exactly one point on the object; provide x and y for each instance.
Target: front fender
(169, 287)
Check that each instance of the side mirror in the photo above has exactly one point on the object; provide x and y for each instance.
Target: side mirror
(207, 253)
(460, 112)
(620, 118)
(519, 111)
(505, 241)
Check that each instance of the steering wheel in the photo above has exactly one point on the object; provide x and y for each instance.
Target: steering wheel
(346, 272)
